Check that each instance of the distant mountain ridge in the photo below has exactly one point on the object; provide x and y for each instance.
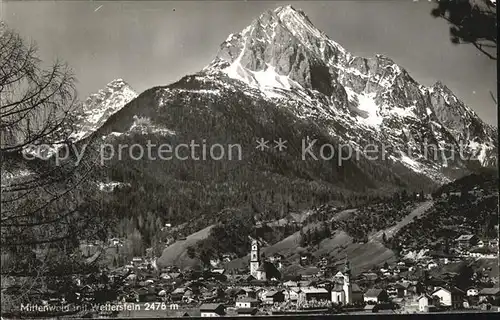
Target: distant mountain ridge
(99, 106)
(90, 115)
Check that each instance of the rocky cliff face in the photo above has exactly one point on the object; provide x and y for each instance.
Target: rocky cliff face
(362, 100)
(98, 107)
(479, 139)
(90, 116)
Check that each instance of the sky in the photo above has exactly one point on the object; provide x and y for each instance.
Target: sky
(152, 43)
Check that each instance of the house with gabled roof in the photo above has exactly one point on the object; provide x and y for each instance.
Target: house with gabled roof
(375, 296)
(247, 311)
(292, 293)
(467, 240)
(248, 292)
(245, 302)
(449, 296)
(210, 310)
(313, 293)
(274, 296)
(487, 294)
(290, 283)
(219, 270)
(426, 303)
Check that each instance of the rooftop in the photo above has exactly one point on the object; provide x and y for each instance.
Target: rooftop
(490, 291)
(465, 237)
(211, 306)
(251, 311)
(314, 290)
(373, 293)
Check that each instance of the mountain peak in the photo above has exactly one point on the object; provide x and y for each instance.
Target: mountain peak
(297, 22)
(288, 11)
(117, 84)
(283, 13)
(288, 7)
(98, 107)
(281, 49)
(112, 89)
(440, 85)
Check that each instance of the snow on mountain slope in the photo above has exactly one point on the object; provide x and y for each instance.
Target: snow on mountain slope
(99, 106)
(286, 58)
(468, 129)
(94, 112)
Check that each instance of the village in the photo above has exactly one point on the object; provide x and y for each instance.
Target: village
(412, 285)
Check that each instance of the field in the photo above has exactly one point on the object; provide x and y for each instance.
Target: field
(176, 254)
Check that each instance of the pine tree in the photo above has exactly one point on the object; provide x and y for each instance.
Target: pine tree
(302, 238)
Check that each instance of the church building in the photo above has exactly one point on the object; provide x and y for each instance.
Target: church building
(342, 290)
(261, 270)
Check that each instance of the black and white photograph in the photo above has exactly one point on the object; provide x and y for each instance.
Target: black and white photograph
(263, 159)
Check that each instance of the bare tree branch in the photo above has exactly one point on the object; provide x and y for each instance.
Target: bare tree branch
(47, 206)
(471, 22)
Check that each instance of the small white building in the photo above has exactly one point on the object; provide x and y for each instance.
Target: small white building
(376, 296)
(115, 242)
(312, 293)
(472, 292)
(136, 261)
(449, 297)
(245, 302)
(425, 303)
(432, 265)
(338, 295)
(292, 294)
(212, 310)
(290, 283)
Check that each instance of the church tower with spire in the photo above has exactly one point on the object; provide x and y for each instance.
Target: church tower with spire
(347, 282)
(342, 291)
(254, 258)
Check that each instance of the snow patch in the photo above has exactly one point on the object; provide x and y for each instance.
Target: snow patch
(411, 163)
(267, 80)
(143, 125)
(369, 106)
(6, 176)
(91, 118)
(206, 91)
(351, 94)
(404, 112)
(111, 186)
(479, 151)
